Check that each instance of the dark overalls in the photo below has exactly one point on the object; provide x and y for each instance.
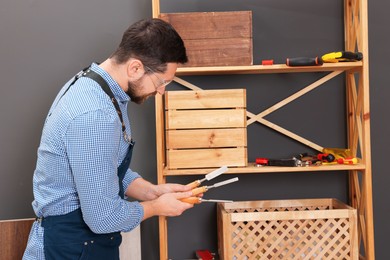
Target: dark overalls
(68, 236)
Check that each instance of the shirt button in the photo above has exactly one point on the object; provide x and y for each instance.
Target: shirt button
(91, 241)
(85, 243)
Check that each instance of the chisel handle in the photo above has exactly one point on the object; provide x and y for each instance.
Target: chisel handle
(192, 200)
(193, 184)
(304, 61)
(199, 190)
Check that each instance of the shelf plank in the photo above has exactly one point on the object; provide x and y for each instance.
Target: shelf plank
(267, 69)
(252, 168)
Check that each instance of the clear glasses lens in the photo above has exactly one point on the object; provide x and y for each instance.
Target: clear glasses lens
(162, 82)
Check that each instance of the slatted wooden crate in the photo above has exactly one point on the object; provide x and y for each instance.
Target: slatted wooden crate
(287, 229)
(215, 38)
(206, 128)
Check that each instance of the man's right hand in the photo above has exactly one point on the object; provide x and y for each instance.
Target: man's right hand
(168, 205)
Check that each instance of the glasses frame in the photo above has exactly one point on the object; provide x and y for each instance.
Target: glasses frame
(162, 82)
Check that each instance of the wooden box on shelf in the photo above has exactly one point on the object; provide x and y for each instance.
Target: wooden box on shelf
(206, 128)
(287, 229)
(215, 38)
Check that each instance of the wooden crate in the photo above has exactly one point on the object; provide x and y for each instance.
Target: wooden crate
(287, 229)
(205, 128)
(215, 38)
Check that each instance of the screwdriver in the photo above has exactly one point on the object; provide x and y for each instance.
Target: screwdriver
(203, 189)
(197, 200)
(208, 177)
(304, 61)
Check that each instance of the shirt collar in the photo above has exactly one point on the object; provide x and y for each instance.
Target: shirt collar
(118, 92)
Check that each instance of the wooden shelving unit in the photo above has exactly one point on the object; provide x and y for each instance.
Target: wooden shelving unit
(358, 122)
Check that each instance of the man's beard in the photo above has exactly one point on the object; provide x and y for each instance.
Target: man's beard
(133, 89)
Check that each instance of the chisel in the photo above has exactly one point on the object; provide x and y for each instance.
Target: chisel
(208, 177)
(197, 200)
(203, 189)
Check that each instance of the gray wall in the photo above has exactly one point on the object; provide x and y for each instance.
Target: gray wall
(43, 43)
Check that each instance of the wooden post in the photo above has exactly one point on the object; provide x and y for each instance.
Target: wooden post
(358, 108)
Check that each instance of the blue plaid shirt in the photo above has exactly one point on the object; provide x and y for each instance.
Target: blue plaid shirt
(81, 147)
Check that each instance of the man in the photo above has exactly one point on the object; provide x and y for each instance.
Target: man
(82, 177)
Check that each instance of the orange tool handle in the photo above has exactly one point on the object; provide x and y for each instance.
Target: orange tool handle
(199, 190)
(193, 184)
(192, 200)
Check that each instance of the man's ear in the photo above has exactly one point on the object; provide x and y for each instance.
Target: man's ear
(135, 69)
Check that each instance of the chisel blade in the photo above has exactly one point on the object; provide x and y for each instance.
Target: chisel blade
(219, 184)
(216, 173)
(212, 200)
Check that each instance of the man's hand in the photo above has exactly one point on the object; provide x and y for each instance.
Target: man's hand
(141, 189)
(162, 199)
(168, 204)
(171, 187)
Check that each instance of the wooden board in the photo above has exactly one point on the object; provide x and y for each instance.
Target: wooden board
(13, 238)
(225, 98)
(206, 138)
(218, 52)
(203, 158)
(225, 38)
(212, 118)
(211, 25)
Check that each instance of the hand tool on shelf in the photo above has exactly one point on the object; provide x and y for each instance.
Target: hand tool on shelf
(338, 152)
(326, 157)
(203, 189)
(300, 160)
(267, 62)
(303, 61)
(342, 156)
(292, 162)
(312, 159)
(342, 56)
(351, 160)
(208, 177)
(198, 200)
(204, 255)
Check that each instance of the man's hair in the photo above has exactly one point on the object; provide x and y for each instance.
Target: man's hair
(154, 42)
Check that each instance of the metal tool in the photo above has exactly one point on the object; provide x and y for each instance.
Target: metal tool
(291, 162)
(197, 200)
(203, 189)
(208, 177)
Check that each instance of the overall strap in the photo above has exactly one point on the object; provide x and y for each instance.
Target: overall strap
(122, 169)
(87, 72)
(103, 84)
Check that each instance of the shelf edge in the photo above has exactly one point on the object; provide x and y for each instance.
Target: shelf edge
(264, 69)
(266, 169)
